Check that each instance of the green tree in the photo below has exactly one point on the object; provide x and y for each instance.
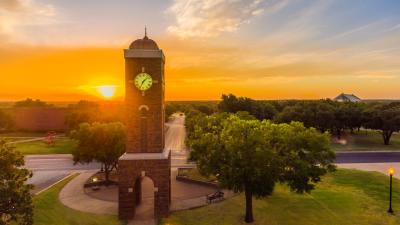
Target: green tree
(31, 103)
(6, 121)
(318, 114)
(15, 198)
(355, 115)
(251, 156)
(101, 142)
(260, 109)
(385, 118)
(82, 112)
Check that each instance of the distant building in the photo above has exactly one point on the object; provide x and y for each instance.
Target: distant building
(347, 98)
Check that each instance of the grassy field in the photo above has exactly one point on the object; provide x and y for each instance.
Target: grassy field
(366, 141)
(49, 211)
(347, 197)
(20, 134)
(62, 146)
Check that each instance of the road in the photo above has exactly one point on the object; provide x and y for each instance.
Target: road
(368, 157)
(48, 169)
(175, 141)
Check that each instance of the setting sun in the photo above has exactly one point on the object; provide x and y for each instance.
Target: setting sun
(107, 91)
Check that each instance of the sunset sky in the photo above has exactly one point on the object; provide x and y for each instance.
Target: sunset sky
(265, 49)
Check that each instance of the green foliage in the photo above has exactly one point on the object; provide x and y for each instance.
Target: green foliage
(385, 118)
(31, 103)
(101, 142)
(6, 121)
(15, 198)
(251, 156)
(82, 112)
(186, 107)
(317, 114)
(259, 109)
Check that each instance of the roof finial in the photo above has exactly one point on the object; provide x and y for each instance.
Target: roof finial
(145, 31)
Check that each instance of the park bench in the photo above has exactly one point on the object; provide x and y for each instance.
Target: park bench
(219, 195)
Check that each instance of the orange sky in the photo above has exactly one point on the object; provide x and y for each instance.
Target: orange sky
(57, 74)
(55, 51)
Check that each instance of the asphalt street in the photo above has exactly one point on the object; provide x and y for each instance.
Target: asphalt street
(47, 169)
(368, 157)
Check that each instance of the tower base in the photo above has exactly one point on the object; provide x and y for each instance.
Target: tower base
(132, 167)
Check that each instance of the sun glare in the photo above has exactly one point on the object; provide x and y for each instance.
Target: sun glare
(107, 91)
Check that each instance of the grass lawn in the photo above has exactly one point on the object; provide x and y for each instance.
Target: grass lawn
(366, 141)
(50, 211)
(62, 146)
(23, 134)
(346, 197)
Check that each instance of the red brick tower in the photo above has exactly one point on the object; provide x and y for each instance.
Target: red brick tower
(145, 154)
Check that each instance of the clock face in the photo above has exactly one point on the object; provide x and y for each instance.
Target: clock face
(143, 81)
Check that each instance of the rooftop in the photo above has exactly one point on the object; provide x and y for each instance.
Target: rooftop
(144, 43)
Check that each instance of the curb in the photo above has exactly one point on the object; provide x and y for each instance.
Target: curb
(373, 151)
(50, 186)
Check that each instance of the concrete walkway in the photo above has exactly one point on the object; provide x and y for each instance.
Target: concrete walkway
(377, 167)
(73, 196)
(105, 201)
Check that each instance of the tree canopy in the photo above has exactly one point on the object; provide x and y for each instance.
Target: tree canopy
(15, 198)
(251, 156)
(31, 103)
(259, 109)
(6, 121)
(385, 118)
(82, 112)
(101, 142)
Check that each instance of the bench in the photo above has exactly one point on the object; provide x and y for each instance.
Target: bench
(219, 195)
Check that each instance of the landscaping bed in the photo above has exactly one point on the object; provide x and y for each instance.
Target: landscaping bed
(98, 179)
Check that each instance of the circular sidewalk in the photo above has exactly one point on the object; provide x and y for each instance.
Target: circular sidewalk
(105, 200)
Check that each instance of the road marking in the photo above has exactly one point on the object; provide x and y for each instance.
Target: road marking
(46, 188)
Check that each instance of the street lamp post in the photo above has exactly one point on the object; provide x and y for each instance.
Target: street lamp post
(391, 172)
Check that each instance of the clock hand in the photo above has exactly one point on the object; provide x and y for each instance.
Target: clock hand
(143, 82)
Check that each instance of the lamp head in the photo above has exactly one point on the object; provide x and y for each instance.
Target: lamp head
(391, 171)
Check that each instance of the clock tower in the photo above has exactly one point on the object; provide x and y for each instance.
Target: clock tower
(145, 153)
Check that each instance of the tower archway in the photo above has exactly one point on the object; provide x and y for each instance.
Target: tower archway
(145, 198)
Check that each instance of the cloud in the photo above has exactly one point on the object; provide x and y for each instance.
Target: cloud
(210, 18)
(15, 15)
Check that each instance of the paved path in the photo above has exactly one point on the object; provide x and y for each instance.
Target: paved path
(377, 167)
(73, 196)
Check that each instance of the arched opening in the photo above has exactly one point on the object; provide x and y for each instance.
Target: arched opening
(145, 198)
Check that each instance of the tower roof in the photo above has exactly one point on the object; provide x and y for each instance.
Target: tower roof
(144, 43)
